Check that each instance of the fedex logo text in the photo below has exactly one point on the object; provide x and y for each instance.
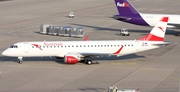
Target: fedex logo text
(122, 4)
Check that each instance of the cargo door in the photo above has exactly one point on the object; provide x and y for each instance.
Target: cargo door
(26, 47)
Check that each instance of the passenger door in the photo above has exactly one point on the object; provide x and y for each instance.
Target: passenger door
(26, 47)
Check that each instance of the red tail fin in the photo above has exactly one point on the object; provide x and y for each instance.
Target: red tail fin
(158, 32)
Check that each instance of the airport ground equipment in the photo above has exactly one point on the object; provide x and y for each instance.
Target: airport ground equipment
(44, 28)
(71, 15)
(124, 32)
(115, 89)
(77, 32)
(65, 31)
(54, 29)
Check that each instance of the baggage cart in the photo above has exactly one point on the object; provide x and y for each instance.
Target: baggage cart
(77, 32)
(44, 28)
(54, 29)
(66, 31)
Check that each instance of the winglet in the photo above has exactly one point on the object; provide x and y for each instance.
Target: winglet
(86, 38)
(158, 32)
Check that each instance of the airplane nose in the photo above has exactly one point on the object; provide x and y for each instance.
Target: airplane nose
(5, 53)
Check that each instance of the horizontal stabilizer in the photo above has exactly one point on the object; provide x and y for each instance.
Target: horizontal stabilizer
(121, 18)
(162, 44)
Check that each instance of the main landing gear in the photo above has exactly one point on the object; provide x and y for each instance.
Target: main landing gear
(20, 60)
(88, 61)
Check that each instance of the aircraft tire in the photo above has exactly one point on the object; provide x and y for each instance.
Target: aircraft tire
(20, 62)
(89, 62)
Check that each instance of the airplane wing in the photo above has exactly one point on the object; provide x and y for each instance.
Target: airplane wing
(86, 54)
(94, 53)
(91, 54)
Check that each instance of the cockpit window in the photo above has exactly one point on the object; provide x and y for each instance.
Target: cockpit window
(14, 46)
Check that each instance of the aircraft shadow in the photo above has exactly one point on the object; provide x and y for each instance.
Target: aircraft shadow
(92, 89)
(5, 0)
(130, 56)
(145, 32)
(61, 61)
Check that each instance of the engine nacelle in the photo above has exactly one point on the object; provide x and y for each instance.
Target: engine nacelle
(71, 59)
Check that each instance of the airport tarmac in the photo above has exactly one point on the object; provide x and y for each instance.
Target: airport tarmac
(151, 71)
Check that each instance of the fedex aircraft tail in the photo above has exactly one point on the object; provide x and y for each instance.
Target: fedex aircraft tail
(158, 32)
(125, 7)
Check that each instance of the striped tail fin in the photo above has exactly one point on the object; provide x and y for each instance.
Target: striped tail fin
(158, 32)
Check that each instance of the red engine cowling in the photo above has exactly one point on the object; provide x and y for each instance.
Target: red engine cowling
(71, 59)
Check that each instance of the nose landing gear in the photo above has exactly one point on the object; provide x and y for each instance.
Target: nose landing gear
(20, 60)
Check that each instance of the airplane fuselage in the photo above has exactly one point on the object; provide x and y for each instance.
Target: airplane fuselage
(153, 19)
(62, 48)
(149, 19)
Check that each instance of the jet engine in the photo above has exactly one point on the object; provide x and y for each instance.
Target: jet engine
(71, 59)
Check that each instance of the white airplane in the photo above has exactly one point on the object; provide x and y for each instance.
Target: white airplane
(127, 13)
(74, 51)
